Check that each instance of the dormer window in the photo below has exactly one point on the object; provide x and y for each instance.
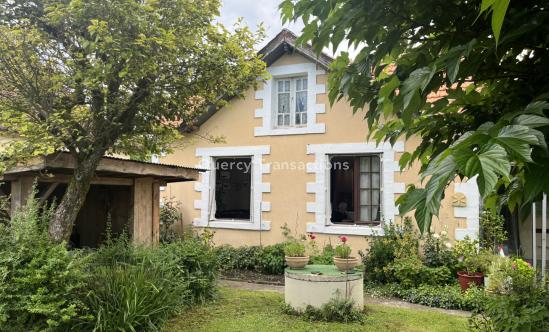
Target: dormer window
(291, 102)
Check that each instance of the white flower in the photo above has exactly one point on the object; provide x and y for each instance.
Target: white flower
(436, 236)
(448, 245)
(443, 233)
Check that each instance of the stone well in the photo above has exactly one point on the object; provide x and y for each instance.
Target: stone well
(316, 285)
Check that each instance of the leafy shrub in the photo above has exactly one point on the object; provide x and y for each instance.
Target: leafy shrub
(240, 258)
(409, 271)
(446, 297)
(326, 257)
(42, 283)
(517, 300)
(271, 259)
(138, 288)
(267, 260)
(294, 249)
(336, 310)
(383, 250)
(492, 231)
(169, 216)
(525, 311)
(437, 251)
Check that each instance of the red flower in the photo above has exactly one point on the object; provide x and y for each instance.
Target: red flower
(343, 238)
(312, 236)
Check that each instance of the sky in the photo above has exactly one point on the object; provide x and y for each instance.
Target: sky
(253, 13)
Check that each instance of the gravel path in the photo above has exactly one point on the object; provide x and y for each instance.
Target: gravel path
(367, 299)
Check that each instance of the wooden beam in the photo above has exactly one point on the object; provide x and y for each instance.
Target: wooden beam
(21, 189)
(61, 178)
(49, 191)
(156, 212)
(142, 210)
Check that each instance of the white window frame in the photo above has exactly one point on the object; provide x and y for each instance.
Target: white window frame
(268, 95)
(206, 187)
(292, 101)
(321, 207)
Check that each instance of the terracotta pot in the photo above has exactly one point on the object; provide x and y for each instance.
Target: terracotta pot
(297, 263)
(466, 279)
(345, 264)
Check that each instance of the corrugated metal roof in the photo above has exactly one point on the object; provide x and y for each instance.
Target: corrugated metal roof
(153, 163)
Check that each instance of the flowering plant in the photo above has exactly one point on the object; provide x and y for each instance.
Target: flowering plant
(343, 250)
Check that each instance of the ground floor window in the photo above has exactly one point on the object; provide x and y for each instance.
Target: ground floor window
(233, 188)
(355, 189)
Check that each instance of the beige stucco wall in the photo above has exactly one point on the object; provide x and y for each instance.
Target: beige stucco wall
(288, 196)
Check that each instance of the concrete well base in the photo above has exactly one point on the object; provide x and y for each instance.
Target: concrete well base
(318, 284)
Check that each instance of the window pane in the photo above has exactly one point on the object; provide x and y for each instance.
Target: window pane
(280, 86)
(375, 180)
(364, 164)
(287, 86)
(233, 188)
(304, 80)
(365, 181)
(365, 197)
(375, 213)
(375, 197)
(284, 103)
(365, 213)
(375, 163)
(301, 102)
(298, 84)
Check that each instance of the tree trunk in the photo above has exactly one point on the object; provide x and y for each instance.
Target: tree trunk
(62, 222)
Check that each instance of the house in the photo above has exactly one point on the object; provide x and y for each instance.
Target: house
(288, 157)
(124, 193)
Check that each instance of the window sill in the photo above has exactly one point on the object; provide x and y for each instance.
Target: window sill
(346, 229)
(233, 224)
(318, 128)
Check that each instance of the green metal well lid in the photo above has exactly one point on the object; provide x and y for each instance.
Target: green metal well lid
(323, 273)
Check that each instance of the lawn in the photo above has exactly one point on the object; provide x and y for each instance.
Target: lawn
(242, 310)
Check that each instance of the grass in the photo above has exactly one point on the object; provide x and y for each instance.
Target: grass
(242, 310)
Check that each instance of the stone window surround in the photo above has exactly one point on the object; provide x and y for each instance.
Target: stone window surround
(267, 95)
(471, 211)
(321, 206)
(207, 183)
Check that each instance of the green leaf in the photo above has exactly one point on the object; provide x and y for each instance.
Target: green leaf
(531, 120)
(499, 8)
(418, 79)
(488, 165)
(517, 140)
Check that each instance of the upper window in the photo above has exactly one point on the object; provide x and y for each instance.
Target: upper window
(355, 189)
(291, 102)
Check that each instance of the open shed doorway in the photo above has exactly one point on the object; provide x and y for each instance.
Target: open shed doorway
(104, 205)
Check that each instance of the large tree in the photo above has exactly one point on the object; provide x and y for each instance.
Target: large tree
(469, 78)
(112, 76)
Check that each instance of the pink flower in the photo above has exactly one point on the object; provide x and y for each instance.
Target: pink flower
(514, 266)
(343, 238)
(312, 236)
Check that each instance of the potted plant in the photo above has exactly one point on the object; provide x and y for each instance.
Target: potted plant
(343, 259)
(295, 256)
(472, 273)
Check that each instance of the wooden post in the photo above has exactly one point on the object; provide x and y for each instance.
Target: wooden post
(21, 189)
(143, 210)
(156, 213)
